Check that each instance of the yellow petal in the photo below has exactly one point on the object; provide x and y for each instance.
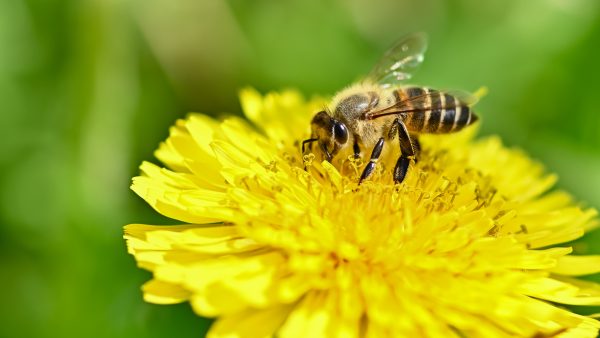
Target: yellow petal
(310, 318)
(577, 265)
(563, 290)
(160, 292)
(250, 323)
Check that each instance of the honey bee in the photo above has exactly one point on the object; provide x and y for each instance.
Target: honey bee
(378, 109)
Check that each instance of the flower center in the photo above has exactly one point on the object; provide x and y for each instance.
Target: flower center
(381, 223)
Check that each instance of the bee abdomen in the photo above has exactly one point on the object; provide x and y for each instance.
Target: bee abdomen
(414, 120)
(432, 111)
(459, 117)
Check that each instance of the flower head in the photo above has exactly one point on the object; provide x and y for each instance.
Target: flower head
(471, 244)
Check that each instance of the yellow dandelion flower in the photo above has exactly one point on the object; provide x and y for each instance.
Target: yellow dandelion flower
(471, 244)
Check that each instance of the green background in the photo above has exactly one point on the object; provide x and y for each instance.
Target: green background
(89, 88)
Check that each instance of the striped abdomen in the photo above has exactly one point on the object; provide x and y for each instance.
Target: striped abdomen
(426, 110)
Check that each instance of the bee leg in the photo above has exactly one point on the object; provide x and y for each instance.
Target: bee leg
(356, 149)
(304, 143)
(309, 142)
(407, 145)
(416, 147)
(372, 162)
(401, 169)
(407, 148)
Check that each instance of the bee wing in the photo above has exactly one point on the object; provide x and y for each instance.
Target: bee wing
(466, 98)
(400, 61)
(431, 100)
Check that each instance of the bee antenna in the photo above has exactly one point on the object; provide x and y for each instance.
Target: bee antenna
(310, 140)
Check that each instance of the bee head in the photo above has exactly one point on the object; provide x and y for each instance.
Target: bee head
(330, 134)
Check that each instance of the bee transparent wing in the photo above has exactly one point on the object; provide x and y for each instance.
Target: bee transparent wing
(466, 98)
(426, 102)
(401, 61)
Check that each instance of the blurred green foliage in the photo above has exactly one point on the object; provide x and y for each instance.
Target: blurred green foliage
(89, 87)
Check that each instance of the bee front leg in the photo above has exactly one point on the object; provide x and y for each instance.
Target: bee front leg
(372, 162)
(407, 148)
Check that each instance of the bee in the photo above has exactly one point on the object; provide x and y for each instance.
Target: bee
(379, 110)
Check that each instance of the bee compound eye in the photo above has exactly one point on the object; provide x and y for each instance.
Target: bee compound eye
(340, 132)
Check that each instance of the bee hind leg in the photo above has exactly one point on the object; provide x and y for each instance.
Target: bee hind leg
(408, 148)
(416, 146)
(372, 162)
(401, 169)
